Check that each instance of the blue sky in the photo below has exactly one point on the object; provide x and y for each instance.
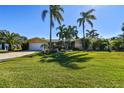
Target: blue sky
(26, 20)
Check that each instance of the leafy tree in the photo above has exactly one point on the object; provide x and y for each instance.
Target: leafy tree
(117, 42)
(55, 13)
(86, 17)
(102, 44)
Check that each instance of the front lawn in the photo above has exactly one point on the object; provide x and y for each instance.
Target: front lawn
(70, 69)
(3, 51)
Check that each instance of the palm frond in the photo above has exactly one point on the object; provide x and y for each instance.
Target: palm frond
(91, 17)
(80, 21)
(44, 12)
(90, 11)
(91, 24)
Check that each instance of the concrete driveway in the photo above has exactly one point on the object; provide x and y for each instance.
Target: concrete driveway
(4, 56)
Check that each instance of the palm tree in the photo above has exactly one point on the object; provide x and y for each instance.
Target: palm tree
(71, 33)
(92, 33)
(11, 38)
(91, 37)
(55, 13)
(61, 33)
(86, 17)
(123, 32)
(2, 41)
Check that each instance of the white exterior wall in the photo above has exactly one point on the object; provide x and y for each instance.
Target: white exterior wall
(35, 46)
(78, 44)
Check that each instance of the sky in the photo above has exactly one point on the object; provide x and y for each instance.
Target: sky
(26, 20)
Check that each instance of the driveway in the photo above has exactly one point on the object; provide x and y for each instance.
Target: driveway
(4, 56)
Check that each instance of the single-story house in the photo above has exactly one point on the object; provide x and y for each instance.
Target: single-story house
(37, 43)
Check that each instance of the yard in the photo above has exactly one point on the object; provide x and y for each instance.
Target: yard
(3, 51)
(69, 69)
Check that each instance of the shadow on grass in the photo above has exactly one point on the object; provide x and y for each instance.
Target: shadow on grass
(68, 60)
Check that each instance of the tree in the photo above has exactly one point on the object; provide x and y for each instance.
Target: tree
(92, 33)
(61, 33)
(123, 33)
(118, 42)
(71, 34)
(91, 37)
(2, 41)
(55, 13)
(86, 17)
(11, 38)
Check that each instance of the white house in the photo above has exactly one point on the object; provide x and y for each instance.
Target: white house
(36, 43)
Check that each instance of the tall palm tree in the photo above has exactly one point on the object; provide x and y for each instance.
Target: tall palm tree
(55, 13)
(86, 17)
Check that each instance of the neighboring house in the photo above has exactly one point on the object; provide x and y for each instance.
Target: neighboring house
(78, 44)
(37, 43)
(4, 46)
(55, 41)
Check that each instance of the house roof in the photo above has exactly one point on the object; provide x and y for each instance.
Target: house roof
(37, 40)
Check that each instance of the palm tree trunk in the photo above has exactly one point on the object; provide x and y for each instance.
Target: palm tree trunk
(50, 46)
(123, 39)
(83, 36)
(3, 46)
(10, 47)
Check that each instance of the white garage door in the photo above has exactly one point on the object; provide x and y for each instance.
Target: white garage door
(35, 46)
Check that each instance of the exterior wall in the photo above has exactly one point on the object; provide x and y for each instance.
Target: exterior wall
(0, 46)
(78, 44)
(6, 46)
(35, 46)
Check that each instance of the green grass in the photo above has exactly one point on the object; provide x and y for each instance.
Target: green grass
(3, 51)
(71, 69)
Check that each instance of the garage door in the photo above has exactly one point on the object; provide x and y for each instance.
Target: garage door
(35, 46)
